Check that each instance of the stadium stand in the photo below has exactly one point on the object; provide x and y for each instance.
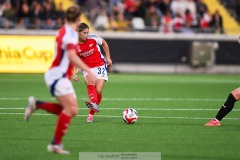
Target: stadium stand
(166, 16)
(230, 25)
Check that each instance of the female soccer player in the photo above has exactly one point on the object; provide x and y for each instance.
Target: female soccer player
(89, 51)
(57, 79)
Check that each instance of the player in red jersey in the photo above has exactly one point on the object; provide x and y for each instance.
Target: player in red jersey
(57, 79)
(89, 51)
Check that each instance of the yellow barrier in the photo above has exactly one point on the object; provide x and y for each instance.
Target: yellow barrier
(26, 54)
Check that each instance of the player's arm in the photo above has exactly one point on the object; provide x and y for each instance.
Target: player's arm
(107, 52)
(75, 71)
(75, 60)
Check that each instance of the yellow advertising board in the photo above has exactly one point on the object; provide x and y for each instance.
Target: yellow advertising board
(26, 54)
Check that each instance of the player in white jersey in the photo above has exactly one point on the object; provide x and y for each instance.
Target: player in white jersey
(89, 51)
(57, 79)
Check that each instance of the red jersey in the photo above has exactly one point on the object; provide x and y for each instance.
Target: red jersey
(90, 52)
(66, 39)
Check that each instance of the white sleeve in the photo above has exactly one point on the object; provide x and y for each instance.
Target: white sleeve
(96, 38)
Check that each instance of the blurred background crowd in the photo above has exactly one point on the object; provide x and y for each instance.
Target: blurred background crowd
(167, 16)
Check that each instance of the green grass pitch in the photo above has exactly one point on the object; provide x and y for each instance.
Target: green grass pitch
(172, 111)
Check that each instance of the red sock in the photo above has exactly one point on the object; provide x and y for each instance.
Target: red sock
(50, 107)
(61, 128)
(91, 111)
(99, 98)
(92, 93)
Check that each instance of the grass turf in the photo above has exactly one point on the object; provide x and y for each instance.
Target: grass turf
(172, 110)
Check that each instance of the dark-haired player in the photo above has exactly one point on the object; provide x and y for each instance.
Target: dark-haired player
(89, 51)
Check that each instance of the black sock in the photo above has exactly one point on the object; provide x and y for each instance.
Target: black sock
(226, 108)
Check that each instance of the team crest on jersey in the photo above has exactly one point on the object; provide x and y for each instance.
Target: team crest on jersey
(90, 45)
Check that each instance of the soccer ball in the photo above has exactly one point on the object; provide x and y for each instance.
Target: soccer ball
(130, 116)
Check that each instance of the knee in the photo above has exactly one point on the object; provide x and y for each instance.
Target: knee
(236, 93)
(72, 110)
(99, 91)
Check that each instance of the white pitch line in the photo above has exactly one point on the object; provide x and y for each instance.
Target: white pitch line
(143, 109)
(129, 99)
(144, 117)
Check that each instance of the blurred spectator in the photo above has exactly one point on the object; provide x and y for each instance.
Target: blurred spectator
(177, 7)
(59, 22)
(129, 8)
(49, 24)
(36, 14)
(164, 6)
(122, 24)
(139, 9)
(217, 22)
(60, 13)
(49, 11)
(190, 6)
(167, 23)
(113, 23)
(188, 17)
(101, 22)
(204, 23)
(116, 7)
(24, 15)
(92, 8)
(178, 23)
(1, 9)
(201, 7)
(1, 15)
(152, 19)
(9, 16)
(60, 16)
(49, 15)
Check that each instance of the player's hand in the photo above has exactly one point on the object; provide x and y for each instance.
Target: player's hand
(75, 78)
(109, 62)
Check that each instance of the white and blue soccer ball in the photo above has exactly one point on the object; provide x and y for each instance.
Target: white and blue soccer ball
(130, 115)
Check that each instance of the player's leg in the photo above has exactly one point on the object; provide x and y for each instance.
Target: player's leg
(70, 109)
(92, 94)
(34, 104)
(99, 87)
(66, 96)
(226, 108)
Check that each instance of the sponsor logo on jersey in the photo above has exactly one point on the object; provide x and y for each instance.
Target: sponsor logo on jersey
(87, 53)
